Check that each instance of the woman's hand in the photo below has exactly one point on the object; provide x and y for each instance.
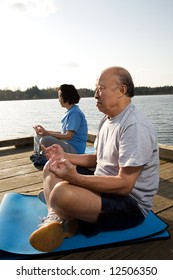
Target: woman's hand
(40, 130)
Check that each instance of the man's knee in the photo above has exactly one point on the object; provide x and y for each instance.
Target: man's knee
(61, 195)
(46, 170)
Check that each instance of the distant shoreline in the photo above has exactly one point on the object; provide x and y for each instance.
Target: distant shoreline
(51, 93)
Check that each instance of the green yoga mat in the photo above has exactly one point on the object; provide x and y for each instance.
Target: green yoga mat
(21, 214)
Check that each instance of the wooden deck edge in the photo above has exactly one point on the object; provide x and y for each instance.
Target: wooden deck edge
(91, 137)
(17, 142)
(166, 152)
(25, 141)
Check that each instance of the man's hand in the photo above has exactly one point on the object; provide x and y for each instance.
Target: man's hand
(62, 168)
(54, 150)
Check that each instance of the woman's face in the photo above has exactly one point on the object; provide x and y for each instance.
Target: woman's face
(61, 100)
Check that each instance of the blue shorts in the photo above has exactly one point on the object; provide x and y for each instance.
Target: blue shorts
(117, 212)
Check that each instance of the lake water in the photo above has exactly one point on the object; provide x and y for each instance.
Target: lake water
(18, 117)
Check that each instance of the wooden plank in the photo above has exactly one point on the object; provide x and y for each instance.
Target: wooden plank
(17, 170)
(164, 184)
(162, 203)
(12, 151)
(166, 165)
(24, 141)
(19, 175)
(163, 161)
(17, 142)
(19, 182)
(33, 189)
(167, 173)
(91, 137)
(14, 162)
(166, 152)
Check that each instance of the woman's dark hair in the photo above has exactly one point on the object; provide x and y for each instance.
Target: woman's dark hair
(69, 94)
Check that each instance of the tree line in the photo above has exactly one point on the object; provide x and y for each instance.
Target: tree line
(36, 93)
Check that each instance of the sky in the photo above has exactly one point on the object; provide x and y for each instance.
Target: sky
(46, 43)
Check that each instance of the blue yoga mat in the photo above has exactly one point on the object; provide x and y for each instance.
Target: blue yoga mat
(21, 214)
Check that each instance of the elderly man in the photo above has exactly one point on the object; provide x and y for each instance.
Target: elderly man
(119, 194)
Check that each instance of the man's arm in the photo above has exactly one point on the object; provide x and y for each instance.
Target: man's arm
(121, 184)
(56, 151)
(84, 160)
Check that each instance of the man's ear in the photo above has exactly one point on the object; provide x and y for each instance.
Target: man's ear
(122, 91)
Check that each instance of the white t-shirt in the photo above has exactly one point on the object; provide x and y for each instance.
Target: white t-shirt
(130, 139)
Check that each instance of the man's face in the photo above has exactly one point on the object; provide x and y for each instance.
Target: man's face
(106, 94)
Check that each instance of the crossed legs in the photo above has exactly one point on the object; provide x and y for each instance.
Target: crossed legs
(68, 203)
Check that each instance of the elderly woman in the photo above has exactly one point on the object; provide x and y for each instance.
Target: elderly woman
(74, 130)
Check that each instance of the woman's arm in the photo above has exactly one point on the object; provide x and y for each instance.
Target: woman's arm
(63, 136)
(40, 130)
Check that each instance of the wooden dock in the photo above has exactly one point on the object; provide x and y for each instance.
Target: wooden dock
(19, 175)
